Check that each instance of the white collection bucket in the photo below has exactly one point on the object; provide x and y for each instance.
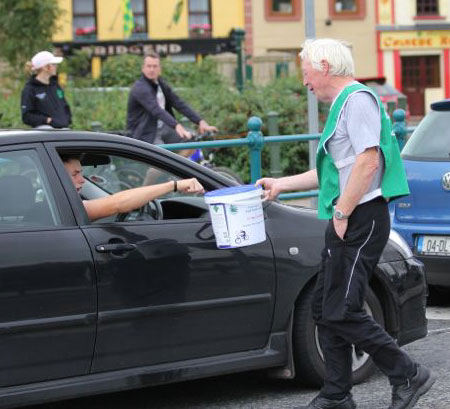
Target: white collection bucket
(237, 216)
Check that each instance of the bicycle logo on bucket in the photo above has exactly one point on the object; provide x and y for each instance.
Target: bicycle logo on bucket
(241, 236)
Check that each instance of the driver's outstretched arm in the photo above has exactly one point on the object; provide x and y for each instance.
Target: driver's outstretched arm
(131, 199)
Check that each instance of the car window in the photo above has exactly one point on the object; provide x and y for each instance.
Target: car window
(431, 139)
(112, 174)
(26, 194)
(120, 173)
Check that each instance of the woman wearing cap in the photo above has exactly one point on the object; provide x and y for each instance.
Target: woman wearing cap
(43, 102)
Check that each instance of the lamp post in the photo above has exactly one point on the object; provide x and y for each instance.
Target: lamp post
(313, 110)
(238, 36)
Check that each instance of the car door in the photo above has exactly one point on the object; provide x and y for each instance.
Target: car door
(165, 292)
(47, 281)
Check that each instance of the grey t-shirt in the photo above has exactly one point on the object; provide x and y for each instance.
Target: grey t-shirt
(358, 129)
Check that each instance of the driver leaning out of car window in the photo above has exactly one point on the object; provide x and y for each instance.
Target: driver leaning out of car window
(126, 200)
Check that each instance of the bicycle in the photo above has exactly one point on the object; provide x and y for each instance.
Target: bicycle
(199, 157)
(204, 157)
(241, 236)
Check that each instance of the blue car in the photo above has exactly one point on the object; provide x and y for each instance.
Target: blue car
(423, 217)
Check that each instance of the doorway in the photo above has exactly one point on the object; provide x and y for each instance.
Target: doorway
(418, 73)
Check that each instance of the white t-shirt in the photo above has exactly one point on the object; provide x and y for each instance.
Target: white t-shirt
(161, 99)
(358, 129)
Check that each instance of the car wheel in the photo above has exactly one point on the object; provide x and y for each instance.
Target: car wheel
(308, 357)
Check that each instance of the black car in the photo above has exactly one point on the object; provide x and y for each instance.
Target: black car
(146, 297)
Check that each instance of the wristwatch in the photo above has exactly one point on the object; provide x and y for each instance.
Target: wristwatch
(340, 215)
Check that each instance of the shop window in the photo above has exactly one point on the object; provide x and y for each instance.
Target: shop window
(427, 7)
(347, 9)
(140, 19)
(200, 19)
(84, 20)
(282, 10)
(423, 71)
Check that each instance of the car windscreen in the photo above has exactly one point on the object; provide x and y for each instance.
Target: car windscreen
(431, 139)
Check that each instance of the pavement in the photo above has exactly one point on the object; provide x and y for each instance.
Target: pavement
(438, 313)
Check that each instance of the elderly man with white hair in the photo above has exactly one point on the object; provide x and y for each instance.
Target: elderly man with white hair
(358, 170)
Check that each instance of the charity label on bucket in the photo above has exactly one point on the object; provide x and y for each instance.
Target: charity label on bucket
(237, 216)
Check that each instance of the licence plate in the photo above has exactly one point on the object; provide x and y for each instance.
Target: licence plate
(434, 245)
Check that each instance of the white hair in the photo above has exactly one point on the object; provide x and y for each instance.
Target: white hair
(336, 52)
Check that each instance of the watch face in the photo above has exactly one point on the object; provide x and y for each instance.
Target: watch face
(339, 215)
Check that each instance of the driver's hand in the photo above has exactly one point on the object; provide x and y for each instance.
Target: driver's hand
(204, 127)
(190, 186)
(183, 132)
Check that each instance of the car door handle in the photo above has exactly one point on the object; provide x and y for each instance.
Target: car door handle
(106, 248)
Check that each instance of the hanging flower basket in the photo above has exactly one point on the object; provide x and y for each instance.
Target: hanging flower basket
(86, 32)
(200, 30)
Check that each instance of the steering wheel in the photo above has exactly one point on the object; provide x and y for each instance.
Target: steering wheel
(152, 209)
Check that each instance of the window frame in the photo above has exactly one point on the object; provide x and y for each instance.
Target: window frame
(140, 34)
(422, 13)
(60, 200)
(270, 15)
(428, 16)
(430, 65)
(176, 168)
(206, 34)
(91, 36)
(358, 14)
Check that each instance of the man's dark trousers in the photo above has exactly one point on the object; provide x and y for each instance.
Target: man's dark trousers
(347, 266)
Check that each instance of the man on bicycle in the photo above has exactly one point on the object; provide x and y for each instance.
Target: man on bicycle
(150, 116)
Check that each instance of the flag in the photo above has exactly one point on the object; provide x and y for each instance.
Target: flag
(176, 13)
(128, 19)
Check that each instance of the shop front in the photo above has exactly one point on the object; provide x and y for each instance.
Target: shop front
(417, 63)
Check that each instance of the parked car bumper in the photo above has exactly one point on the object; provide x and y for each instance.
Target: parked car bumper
(437, 268)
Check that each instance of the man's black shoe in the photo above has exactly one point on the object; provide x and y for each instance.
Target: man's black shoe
(406, 395)
(323, 403)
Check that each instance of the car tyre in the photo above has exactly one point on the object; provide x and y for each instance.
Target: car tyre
(309, 364)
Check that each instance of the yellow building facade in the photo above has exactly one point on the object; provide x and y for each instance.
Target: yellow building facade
(183, 29)
(100, 21)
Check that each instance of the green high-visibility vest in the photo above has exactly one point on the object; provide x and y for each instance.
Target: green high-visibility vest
(394, 183)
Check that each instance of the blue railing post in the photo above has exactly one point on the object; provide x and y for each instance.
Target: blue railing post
(399, 127)
(255, 143)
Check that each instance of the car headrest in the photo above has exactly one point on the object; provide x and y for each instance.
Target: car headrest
(17, 195)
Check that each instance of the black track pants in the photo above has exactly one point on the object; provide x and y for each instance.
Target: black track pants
(347, 266)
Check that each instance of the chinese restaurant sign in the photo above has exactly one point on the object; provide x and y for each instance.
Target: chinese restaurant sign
(404, 40)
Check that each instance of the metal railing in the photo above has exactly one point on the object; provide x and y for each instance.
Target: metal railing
(255, 142)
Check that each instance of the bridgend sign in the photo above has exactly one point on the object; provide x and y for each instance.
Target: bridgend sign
(407, 40)
(170, 47)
